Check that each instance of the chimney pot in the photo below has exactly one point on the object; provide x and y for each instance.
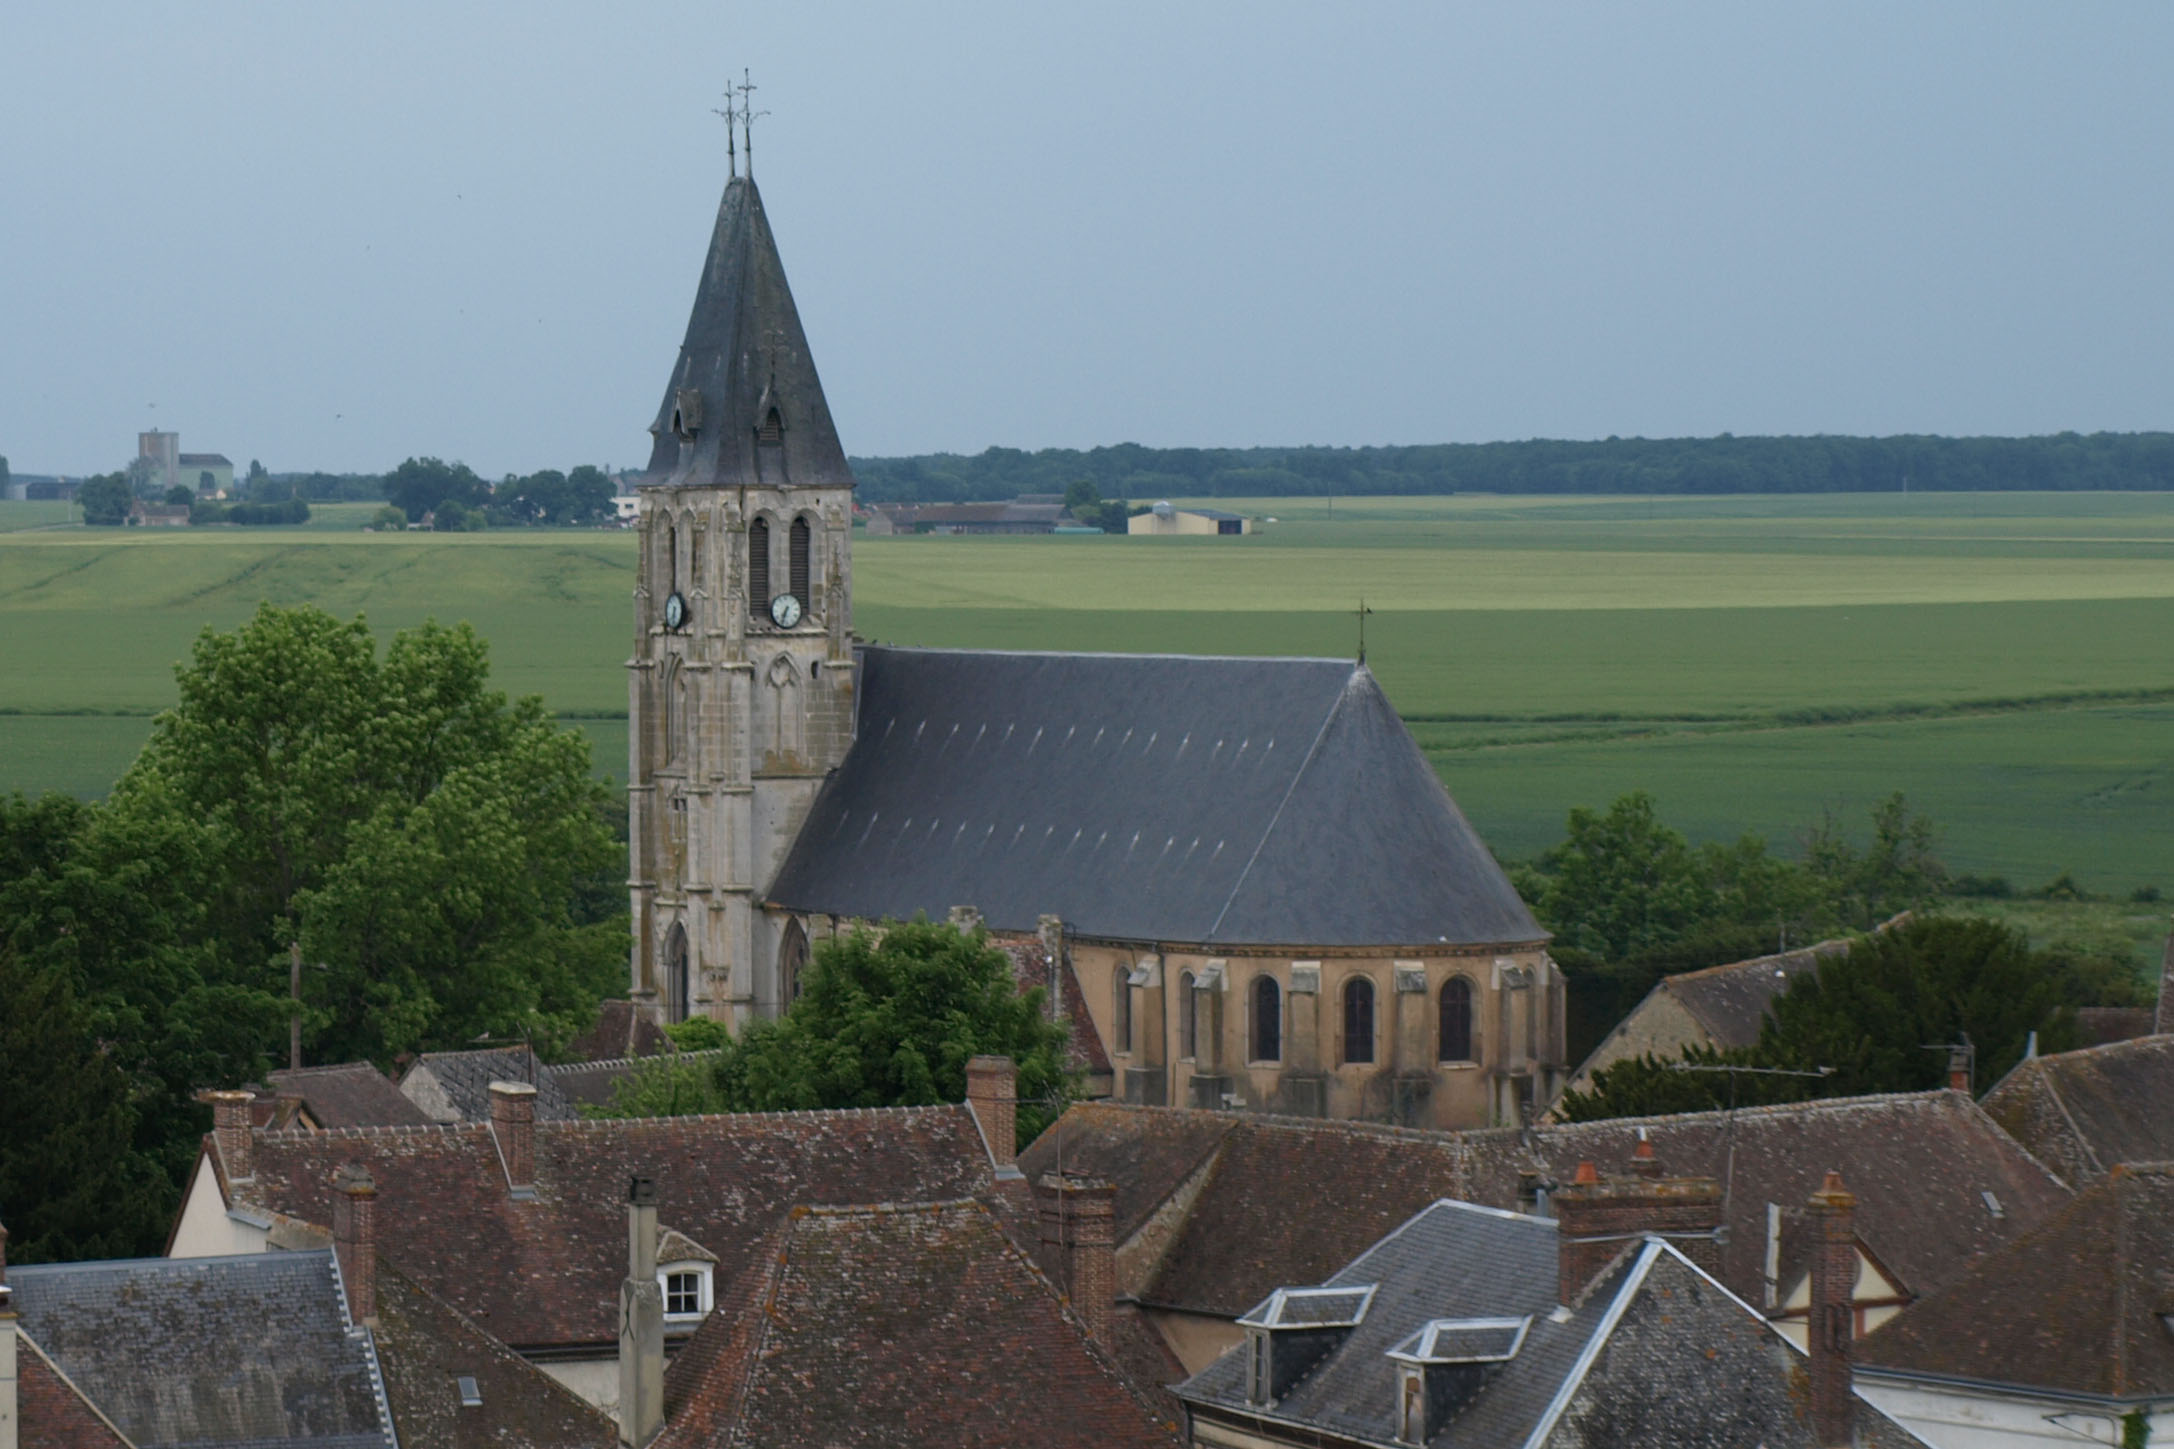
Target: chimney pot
(354, 1238)
(230, 1127)
(1832, 1321)
(1079, 1219)
(992, 1087)
(1643, 1162)
(513, 1123)
(1596, 1218)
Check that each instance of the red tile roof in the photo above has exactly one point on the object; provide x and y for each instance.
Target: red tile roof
(2081, 1112)
(545, 1270)
(1030, 967)
(51, 1412)
(900, 1326)
(2077, 1304)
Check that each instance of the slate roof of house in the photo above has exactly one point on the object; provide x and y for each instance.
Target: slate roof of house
(622, 1030)
(2079, 1304)
(353, 1094)
(142, 1338)
(1653, 1352)
(745, 353)
(204, 460)
(51, 1412)
(426, 1347)
(462, 1082)
(545, 1270)
(899, 1326)
(1215, 1209)
(2081, 1112)
(1146, 797)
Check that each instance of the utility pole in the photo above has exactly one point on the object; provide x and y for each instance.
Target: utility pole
(294, 1015)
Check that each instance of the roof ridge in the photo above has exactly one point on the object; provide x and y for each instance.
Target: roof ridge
(1931, 1096)
(1748, 962)
(1590, 1350)
(677, 1054)
(391, 1129)
(1109, 654)
(1275, 816)
(2151, 1039)
(52, 1366)
(798, 1114)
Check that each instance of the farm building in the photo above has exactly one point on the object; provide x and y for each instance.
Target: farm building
(1164, 520)
(1244, 876)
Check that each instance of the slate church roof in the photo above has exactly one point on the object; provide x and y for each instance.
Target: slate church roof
(1217, 801)
(744, 354)
(142, 1338)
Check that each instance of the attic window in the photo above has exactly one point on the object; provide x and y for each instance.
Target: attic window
(772, 429)
(686, 1290)
(1312, 1308)
(1464, 1340)
(471, 1396)
(686, 412)
(1992, 1204)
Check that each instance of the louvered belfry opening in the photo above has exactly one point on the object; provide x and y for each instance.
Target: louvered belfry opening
(771, 429)
(758, 567)
(798, 565)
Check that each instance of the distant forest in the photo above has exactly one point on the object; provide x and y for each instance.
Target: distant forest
(2065, 461)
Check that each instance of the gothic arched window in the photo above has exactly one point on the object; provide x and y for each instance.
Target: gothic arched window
(797, 563)
(1267, 1020)
(1121, 1010)
(792, 962)
(1456, 1021)
(758, 568)
(1188, 1033)
(678, 985)
(1358, 1020)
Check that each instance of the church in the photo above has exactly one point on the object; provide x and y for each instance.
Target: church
(1244, 881)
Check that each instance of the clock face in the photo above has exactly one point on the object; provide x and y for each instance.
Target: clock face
(785, 611)
(675, 612)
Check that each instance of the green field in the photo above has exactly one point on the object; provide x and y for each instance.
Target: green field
(1753, 661)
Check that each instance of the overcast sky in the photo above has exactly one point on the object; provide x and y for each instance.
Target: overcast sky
(330, 237)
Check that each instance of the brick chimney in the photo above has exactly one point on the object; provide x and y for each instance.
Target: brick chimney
(1596, 1217)
(230, 1132)
(1079, 1220)
(513, 1123)
(992, 1084)
(1832, 1322)
(641, 1322)
(354, 1238)
(1959, 1069)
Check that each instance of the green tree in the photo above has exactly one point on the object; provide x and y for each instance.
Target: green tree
(421, 485)
(1870, 1015)
(1623, 881)
(106, 499)
(1083, 500)
(431, 845)
(74, 1183)
(179, 496)
(1899, 871)
(389, 519)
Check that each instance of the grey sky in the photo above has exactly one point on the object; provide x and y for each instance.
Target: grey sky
(334, 236)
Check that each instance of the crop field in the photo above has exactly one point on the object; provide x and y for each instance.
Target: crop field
(1754, 662)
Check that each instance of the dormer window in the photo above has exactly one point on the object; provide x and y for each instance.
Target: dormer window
(686, 413)
(1292, 1330)
(771, 429)
(683, 1293)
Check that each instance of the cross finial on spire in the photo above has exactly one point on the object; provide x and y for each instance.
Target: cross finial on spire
(748, 113)
(731, 114)
(1363, 612)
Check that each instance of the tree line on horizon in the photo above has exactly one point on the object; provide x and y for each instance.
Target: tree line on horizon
(2061, 462)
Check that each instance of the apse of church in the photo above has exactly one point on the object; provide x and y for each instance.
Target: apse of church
(740, 690)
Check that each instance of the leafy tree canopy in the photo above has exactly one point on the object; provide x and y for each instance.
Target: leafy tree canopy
(106, 499)
(421, 485)
(886, 1019)
(427, 842)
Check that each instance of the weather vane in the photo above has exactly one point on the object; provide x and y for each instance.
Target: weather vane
(731, 114)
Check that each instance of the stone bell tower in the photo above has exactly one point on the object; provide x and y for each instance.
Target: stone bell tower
(740, 690)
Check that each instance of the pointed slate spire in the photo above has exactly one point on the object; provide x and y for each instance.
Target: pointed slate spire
(744, 406)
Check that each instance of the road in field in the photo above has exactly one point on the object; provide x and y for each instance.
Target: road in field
(1752, 660)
